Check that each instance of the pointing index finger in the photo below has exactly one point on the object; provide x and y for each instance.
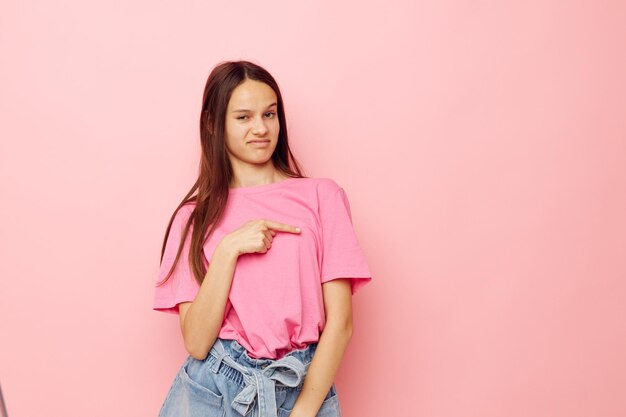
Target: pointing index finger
(282, 227)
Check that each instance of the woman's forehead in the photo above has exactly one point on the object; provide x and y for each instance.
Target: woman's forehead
(250, 95)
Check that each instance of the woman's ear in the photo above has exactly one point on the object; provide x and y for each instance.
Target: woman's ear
(210, 126)
(209, 122)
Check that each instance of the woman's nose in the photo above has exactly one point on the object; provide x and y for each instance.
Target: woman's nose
(259, 126)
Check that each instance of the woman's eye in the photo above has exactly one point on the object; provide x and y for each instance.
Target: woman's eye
(272, 114)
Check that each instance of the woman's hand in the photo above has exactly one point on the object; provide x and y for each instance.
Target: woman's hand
(255, 236)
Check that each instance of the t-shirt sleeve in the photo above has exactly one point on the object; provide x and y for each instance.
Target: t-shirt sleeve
(181, 286)
(342, 256)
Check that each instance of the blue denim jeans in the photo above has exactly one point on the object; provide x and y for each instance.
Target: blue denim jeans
(229, 383)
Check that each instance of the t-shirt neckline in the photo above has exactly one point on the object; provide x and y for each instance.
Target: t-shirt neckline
(262, 187)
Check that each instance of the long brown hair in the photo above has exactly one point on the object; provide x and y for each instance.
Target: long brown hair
(215, 171)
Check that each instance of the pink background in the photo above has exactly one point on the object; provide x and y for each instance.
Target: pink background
(482, 145)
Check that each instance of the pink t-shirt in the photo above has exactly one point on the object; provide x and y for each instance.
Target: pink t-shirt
(275, 304)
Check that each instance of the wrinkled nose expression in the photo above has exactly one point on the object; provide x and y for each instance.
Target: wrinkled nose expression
(252, 124)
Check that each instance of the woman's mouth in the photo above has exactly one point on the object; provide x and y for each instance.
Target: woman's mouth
(259, 143)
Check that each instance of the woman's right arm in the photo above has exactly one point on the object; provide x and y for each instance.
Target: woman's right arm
(201, 320)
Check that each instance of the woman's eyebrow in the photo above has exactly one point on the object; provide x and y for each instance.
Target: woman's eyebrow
(238, 110)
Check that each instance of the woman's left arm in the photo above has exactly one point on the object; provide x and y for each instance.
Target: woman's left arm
(330, 348)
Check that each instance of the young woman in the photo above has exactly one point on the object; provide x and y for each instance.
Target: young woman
(267, 320)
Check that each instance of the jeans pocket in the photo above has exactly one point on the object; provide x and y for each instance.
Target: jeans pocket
(329, 408)
(201, 400)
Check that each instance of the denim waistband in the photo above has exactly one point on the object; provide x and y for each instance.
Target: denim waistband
(261, 376)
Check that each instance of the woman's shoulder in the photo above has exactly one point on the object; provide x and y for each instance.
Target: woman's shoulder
(323, 185)
(184, 212)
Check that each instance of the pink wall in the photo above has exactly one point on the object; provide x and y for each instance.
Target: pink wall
(482, 145)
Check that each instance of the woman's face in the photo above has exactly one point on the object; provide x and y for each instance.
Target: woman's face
(251, 129)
